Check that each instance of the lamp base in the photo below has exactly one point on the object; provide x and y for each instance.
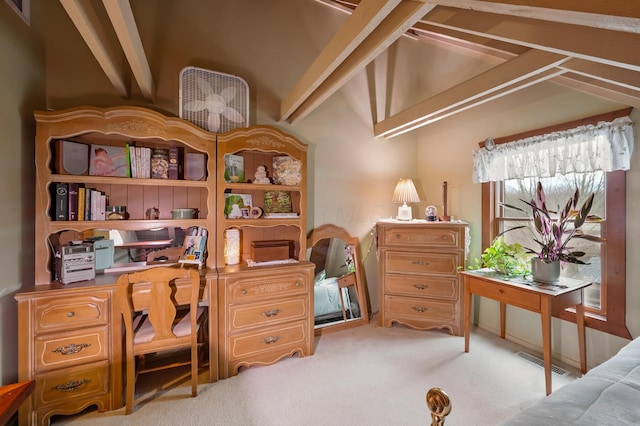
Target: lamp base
(404, 212)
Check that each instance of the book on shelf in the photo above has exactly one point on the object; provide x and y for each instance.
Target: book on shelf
(237, 205)
(194, 246)
(81, 200)
(108, 160)
(233, 168)
(277, 202)
(132, 160)
(60, 207)
(174, 163)
(72, 191)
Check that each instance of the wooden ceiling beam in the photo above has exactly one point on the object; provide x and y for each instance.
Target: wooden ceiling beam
(124, 24)
(495, 80)
(603, 89)
(388, 31)
(86, 21)
(364, 19)
(592, 44)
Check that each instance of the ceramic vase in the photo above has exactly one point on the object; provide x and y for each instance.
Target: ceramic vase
(545, 272)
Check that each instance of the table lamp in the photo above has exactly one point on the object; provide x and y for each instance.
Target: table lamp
(404, 193)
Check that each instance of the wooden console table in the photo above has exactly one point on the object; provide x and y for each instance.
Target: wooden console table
(544, 299)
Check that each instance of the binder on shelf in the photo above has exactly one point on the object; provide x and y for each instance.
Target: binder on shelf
(61, 206)
(72, 209)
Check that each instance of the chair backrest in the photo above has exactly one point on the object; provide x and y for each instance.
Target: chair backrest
(158, 291)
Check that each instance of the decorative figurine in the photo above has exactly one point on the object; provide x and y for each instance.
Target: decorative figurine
(261, 175)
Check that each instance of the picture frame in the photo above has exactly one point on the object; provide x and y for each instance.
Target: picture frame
(106, 160)
(235, 203)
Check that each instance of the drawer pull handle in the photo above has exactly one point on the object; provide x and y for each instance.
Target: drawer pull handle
(500, 291)
(71, 348)
(244, 291)
(71, 385)
(298, 283)
(420, 262)
(271, 339)
(71, 314)
(421, 286)
(271, 313)
(419, 308)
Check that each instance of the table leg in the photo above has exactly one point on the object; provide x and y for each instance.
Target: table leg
(545, 314)
(503, 319)
(581, 337)
(467, 314)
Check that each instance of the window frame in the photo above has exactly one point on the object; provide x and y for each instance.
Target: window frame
(613, 285)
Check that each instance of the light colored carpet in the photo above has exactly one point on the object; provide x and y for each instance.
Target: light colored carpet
(363, 376)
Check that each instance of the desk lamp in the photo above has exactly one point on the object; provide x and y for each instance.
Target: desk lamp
(404, 193)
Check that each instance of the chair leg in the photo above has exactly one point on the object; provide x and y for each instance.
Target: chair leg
(194, 370)
(131, 384)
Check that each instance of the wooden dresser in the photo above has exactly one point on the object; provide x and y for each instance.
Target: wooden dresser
(418, 274)
(67, 342)
(264, 316)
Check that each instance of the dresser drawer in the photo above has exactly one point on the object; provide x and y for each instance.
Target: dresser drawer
(422, 286)
(506, 294)
(72, 383)
(422, 263)
(273, 312)
(64, 312)
(267, 340)
(67, 349)
(250, 289)
(396, 306)
(419, 236)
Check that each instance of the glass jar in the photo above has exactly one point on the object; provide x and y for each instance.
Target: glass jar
(160, 164)
(116, 212)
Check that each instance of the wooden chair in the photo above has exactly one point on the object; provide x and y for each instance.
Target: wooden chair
(153, 303)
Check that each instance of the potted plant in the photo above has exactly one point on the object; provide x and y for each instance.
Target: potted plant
(555, 229)
(509, 260)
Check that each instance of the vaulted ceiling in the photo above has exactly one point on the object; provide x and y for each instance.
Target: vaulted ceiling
(590, 46)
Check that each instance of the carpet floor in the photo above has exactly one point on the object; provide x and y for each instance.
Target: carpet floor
(363, 376)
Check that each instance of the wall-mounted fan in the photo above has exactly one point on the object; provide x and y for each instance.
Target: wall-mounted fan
(215, 101)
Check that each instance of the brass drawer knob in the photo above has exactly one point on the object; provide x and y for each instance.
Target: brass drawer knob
(271, 339)
(71, 348)
(271, 313)
(419, 308)
(71, 314)
(421, 286)
(71, 385)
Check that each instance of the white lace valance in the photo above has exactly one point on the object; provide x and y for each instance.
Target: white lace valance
(606, 146)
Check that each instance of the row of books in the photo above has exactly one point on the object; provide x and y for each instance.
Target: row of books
(194, 247)
(72, 201)
(134, 161)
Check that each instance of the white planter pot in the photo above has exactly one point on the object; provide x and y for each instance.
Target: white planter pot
(545, 272)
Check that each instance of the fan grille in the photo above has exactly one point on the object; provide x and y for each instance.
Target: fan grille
(215, 101)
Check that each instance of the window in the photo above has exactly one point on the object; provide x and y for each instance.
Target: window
(605, 300)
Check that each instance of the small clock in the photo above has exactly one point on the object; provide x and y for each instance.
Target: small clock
(489, 144)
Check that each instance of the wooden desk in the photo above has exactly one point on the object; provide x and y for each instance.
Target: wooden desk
(11, 396)
(536, 297)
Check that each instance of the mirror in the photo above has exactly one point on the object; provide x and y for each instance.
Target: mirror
(340, 298)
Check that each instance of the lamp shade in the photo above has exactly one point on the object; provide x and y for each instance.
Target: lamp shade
(404, 193)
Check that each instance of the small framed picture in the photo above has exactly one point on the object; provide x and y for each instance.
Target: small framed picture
(246, 213)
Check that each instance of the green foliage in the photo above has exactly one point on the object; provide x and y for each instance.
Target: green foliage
(508, 259)
(556, 228)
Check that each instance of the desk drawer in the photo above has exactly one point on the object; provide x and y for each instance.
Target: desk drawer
(419, 308)
(267, 340)
(422, 286)
(422, 263)
(506, 294)
(427, 236)
(63, 312)
(72, 383)
(274, 312)
(248, 289)
(67, 349)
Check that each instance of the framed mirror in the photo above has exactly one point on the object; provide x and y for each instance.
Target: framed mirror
(340, 296)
